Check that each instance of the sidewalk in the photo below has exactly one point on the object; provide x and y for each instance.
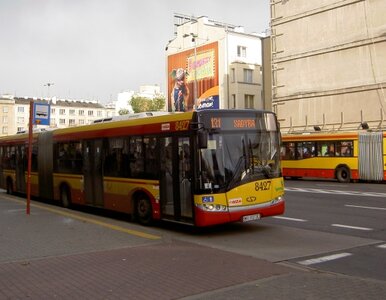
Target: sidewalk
(56, 253)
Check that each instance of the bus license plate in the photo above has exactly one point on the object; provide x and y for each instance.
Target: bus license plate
(251, 217)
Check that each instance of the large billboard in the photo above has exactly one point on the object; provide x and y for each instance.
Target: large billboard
(194, 74)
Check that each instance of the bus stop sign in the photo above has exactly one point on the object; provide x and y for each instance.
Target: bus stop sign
(41, 114)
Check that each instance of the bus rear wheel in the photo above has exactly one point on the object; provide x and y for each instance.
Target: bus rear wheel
(343, 174)
(143, 210)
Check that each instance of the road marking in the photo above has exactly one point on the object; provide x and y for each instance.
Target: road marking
(367, 207)
(93, 221)
(352, 227)
(323, 259)
(290, 219)
(322, 191)
(382, 246)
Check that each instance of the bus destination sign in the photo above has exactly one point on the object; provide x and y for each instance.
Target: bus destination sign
(232, 123)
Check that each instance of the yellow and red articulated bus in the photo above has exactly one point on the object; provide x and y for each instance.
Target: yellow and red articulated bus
(199, 168)
(344, 156)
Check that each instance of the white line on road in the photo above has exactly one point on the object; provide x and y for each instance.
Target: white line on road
(336, 192)
(382, 246)
(352, 227)
(367, 207)
(323, 259)
(290, 219)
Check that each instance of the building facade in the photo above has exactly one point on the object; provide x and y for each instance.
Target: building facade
(14, 113)
(329, 64)
(222, 65)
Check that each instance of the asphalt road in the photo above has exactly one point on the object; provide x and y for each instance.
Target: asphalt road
(327, 226)
(339, 229)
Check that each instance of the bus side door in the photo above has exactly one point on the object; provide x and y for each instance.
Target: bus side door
(175, 182)
(92, 172)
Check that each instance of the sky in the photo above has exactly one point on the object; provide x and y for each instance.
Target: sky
(95, 49)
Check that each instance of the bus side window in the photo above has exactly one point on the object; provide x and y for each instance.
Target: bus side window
(344, 148)
(288, 151)
(136, 157)
(151, 162)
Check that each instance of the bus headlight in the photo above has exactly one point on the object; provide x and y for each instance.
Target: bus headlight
(277, 200)
(214, 207)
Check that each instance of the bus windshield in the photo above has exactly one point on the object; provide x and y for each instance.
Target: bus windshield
(234, 158)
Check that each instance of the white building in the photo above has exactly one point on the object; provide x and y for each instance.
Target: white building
(237, 59)
(14, 113)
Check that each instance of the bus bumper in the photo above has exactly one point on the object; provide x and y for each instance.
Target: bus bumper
(239, 214)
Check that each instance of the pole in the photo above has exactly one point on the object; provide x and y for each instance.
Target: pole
(195, 74)
(30, 135)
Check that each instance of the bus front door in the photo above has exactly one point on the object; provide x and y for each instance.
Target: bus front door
(92, 172)
(175, 182)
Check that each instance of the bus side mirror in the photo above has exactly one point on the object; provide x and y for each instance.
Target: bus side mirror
(202, 139)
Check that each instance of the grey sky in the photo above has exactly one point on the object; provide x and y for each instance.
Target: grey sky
(94, 49)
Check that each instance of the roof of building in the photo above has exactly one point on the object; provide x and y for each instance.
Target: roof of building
(68, 103)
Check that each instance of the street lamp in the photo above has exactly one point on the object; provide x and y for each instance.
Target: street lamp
(194, 38)
(48, 86)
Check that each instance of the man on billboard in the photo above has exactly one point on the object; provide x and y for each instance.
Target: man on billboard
(180, 92)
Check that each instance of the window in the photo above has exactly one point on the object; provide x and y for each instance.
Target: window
(233, 75)
(90, 113)
(99, 113)
(20, 129)
(20, 109)
(249, 101)
(248, 75)
(117, 156)
(62, 111)
(52, 111)
(62, 121)
(81, 112)
(68, 157)
(71, 122)
(151, 162)
(136, 157)
(5, 119)
(81, 122)
(241, 51)
(5, 129)
(233, 101)
(72, 112)
(20, 120)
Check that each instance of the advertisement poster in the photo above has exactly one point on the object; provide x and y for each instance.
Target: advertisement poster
(194, 73)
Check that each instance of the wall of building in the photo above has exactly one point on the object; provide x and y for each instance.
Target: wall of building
(329, 63)
(228, 39)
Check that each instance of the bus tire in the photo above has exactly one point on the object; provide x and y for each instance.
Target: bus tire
(143, 210)
(343, 174)
(65, 197)
(9, 186)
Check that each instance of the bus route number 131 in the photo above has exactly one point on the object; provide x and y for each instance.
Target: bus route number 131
(263, 185)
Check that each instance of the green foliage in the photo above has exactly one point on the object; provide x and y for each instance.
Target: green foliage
(123, 111)
(142, 104)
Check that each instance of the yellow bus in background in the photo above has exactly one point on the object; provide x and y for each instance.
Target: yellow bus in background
(344, 156)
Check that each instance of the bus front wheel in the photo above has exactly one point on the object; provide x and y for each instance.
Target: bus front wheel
(343, 174)
(143, 210)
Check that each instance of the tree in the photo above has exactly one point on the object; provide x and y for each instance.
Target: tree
(123, 111)
(142, 104)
